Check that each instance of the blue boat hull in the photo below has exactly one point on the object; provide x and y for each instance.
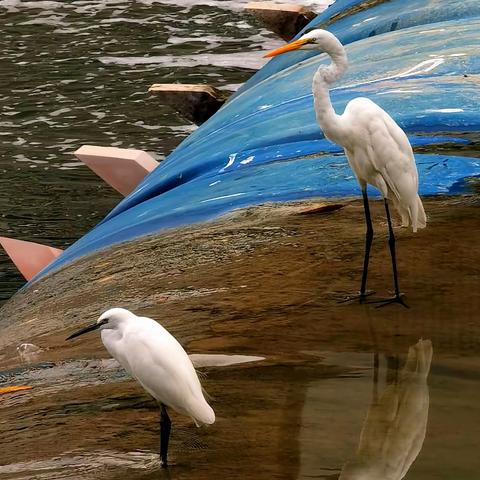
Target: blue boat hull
(421, 65)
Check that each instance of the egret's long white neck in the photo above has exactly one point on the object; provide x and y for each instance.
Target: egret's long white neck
(322, 80)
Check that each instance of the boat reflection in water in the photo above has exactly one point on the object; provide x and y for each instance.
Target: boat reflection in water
(394, 429)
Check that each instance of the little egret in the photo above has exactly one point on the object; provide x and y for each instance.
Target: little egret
(158, 362)
(377, 149)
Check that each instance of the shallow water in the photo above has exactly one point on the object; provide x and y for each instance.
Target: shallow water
(293, 415)
(317, 406)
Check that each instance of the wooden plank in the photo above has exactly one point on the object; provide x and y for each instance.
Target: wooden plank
(196, 103)
(284, 19)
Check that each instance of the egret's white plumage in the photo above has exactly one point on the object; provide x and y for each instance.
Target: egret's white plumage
(153, 356)
(377, 149)
(380, 154)
(158, 362)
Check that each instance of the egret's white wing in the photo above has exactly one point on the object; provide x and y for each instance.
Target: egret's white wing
(380, 154)
(163, 368)
(385, 145)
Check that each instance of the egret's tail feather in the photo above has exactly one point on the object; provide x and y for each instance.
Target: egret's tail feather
(403, 211)
(412, 213)
(202, 413)
(207, 395)
(417, 213)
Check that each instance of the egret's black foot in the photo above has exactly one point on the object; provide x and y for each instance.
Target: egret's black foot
(163, 463)
(360, 297)
(388, 301)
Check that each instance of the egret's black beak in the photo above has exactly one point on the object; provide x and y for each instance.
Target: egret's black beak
(90, 328)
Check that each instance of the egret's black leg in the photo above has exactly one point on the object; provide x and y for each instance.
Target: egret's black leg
(165, 427)
(391, 243)
(368, 244)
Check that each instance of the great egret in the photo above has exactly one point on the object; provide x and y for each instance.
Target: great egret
(377, 149)
(152, 356)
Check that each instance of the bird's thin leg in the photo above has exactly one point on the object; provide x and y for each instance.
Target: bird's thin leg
(391, 243)
(165, 427)
(368, 244)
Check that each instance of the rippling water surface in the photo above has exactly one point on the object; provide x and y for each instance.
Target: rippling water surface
(77, 72)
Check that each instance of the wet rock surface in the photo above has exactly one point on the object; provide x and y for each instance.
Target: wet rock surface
(263, 282)
(270, 257)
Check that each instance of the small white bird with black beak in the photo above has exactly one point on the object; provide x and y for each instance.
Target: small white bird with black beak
(151, 355)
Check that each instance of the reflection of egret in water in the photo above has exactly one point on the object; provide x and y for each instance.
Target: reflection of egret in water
(396, 423)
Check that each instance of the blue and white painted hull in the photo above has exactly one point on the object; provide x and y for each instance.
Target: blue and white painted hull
(421, 64)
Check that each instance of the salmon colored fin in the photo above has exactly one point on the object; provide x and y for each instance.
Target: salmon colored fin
(30, 258)
(122, 168)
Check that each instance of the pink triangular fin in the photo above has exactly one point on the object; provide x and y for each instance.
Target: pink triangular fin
(122, 168)
(29, 257)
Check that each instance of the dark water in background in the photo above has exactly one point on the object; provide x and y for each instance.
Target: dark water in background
(77, 72)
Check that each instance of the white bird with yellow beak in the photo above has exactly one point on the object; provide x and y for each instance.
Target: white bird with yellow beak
(377, 149)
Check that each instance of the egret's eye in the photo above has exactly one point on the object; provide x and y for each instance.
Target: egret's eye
(104, 321)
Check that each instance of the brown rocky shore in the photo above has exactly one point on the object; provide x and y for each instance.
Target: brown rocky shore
(265, 281)
(273, 261)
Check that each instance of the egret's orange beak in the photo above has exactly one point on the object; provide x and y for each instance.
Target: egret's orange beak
(287, 48)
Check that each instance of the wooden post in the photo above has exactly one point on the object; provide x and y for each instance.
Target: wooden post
(284, 19)
(196, 103)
